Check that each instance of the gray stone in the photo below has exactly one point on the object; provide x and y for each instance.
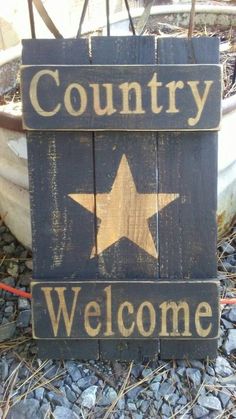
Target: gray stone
(227, 324)
(121, 403)
(51, 371)
(222, 367)
(2, 227)
(137, 416)
(8, 238)
(71, 396)
(23, 304)
(29, 264)
(25, 279)
(3, 369)
(24, 318)
(108, 396)
(13, 269)
(228, 380)
(137, 370)
(134, 392)
(209, 380)
(158, 404)
(88, 397)
(9, 281)
(146, 372)
(45, 411)
(227, 266)
(210, 402)
(197, 364)
(229, 345)
(224, 396)
(181, 363)
(194, 375)
(9, 249)
(58, 399)
(77, 410)
(171, 398)
(157, 379)
(144, 406)
(131, 405)
(73, 370)
(25, 409)
(86, 382)
(227, 248)
(7, 330)
(166, 410)
(39, 393)
(62, 412)
(182, 400)
(210, 370)
(181, 371)
(166, 388)
(230, 315)
(76, 388)
(199, 411)
(9, 310)
(155, 386)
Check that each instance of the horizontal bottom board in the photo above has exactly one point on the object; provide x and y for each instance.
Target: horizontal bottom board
(184, 310)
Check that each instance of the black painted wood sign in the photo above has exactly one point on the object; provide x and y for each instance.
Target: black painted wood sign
(138, 97)
(122, 149)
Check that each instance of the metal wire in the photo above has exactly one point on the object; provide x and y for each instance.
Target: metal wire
(108, 17)
(46, 18)
(130, 18)
(82, 18)
(31, 17)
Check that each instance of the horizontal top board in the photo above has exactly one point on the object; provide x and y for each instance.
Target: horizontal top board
(121, 97)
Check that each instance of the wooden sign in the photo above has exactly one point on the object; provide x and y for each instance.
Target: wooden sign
(124, 223)
(128, 97)
(111, 310)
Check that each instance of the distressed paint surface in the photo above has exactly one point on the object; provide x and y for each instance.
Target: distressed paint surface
(122, 97)
(69, 178)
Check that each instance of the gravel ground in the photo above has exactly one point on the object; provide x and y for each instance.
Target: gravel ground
(31, 388)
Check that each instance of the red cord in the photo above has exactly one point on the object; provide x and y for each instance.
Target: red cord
(24, 294)
(20, 293)
(228, 301)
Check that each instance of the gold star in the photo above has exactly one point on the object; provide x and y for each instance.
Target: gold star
(124, 212)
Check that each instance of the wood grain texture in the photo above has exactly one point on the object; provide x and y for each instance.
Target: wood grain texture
(121, 97)
(111, 310)
(124, 260)
(82, 182)
(53, 170)
(188, 162)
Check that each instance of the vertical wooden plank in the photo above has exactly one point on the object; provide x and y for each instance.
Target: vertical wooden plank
(127, 153)
(61, 163)
(187, 164)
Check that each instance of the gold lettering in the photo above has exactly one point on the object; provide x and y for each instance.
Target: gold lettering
(154, 84)
(83, 99)
(203, 310)
(152, 316)
(33, 92)
(92, 309)
(108, 109)
(62, 309)
(175, 309)
(108, 331)
(125, 331)
(126, 94)
(173, 86)
(200, 101)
